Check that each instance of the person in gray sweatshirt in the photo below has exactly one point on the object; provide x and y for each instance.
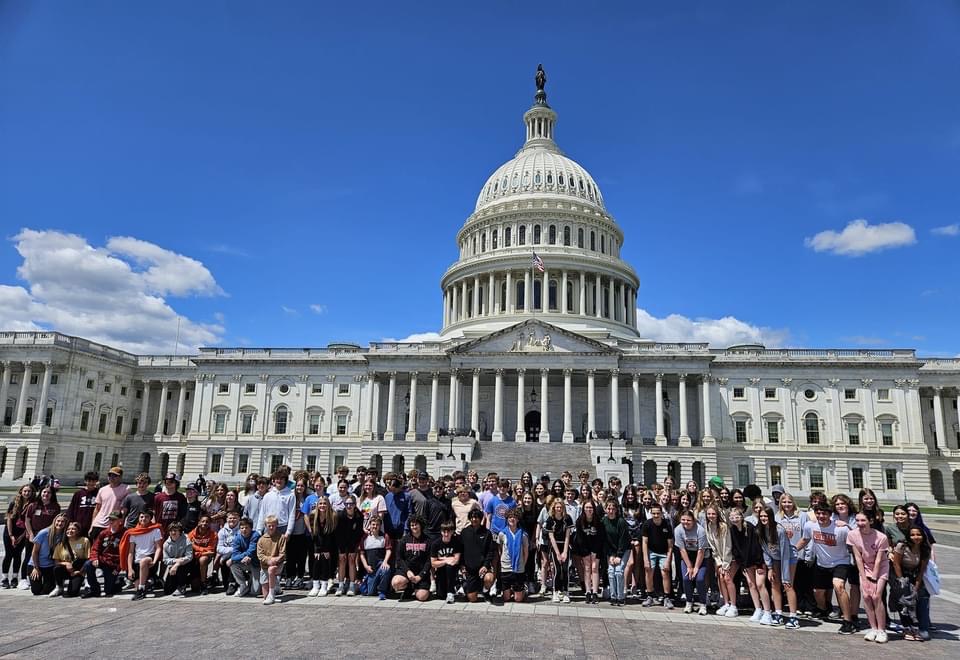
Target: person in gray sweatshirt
(177, 560)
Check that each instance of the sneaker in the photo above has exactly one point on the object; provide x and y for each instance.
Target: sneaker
(732, 612)
(846, 628)
(204, 591)
(688, 608)
(648, 602)
(231, 589)
(56, 592)
(324, 589)
(722, 611)
(871, 636)
(24, 585)
(777, 620)
(269, 600)
(925, 635)
(13, 583)
(5, 584)
(703, 610)
(352, 589)
(555, 599)
(316, 589)
(382, 596)
(757, 615)
(668, 603)
(450, 599)
(341, 590)
(566, 598)
(140, 595)
(792, 623)
(881, 637)
(543, 590)
(766, 619)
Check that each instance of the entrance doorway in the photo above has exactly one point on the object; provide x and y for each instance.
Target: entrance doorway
(531, 424)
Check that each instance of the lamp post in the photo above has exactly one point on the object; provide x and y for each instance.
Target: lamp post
(611, 459)
(450, 455)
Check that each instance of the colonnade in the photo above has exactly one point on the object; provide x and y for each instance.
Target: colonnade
(19, 417)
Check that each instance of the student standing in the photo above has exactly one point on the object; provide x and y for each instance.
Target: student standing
(747, 557)
(108, 499)
(558, 528)
(84, 501)
(657, 547)
(514, 546)
(136, 501)
(616, 547)
(348, 534)
(780, 557)
(325, 557)
(590, 540)
(15, 536)
(829, 543)
(870, 549)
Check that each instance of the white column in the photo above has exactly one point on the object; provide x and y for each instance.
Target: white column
(567, 405)
(591, 403)
(165, 387)
(615, 402)
(144, 408)
(412, 413)
(22, 401)
(455, 310)
(521, 434)
(941, 440)
(597, 301)
(684, 439)
(4, 390)
(498, 408)
(544, 410)
(661, 439)
(391, 398)
(368, 417)
(509, 304)
(452, 413)
(545, 292)
(562, 297)
(636, 407)
(707, 426)
(41, 412)
(527, 292)
(583, 294)
(464, 303)
(476, 296)
(434, 406)
(613, 300)
(475, 403)
(489, 304)
(181, 399)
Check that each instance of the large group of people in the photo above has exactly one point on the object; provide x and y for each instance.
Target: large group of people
(711, 549)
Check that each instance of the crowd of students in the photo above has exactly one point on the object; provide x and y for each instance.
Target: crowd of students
(715, 550)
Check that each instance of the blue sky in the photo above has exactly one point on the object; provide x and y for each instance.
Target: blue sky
(290, 174)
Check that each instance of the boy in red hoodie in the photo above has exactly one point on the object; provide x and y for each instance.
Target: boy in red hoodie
(105, 555)
(142, 548)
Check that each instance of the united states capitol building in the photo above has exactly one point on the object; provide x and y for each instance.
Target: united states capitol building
(534, 363)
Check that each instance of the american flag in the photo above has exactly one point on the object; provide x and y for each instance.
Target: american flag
(538, 262)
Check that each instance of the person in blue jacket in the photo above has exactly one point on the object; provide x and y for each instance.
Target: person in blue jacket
(243, 563)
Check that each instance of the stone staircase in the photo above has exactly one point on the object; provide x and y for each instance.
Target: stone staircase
(511, 459)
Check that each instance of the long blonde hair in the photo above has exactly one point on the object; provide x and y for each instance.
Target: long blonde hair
(329, 520)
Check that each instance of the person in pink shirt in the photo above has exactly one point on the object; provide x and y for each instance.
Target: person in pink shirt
(109, 499)
(870, 550)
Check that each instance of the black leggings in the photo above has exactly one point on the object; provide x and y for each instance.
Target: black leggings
(324, 569)
(298, 547)
(561, 572)
(12, 553)
(27, 552)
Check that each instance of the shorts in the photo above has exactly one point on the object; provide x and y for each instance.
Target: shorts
(656, 560)
(472, 582)
(265, 579)
(853, 575)
(512, 582)
(823, 577)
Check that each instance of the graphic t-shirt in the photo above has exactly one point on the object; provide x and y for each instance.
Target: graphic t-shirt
(557, 527)
(657, 535)
(829, 544)
(441, 550)
(497, 508)
(169, 508)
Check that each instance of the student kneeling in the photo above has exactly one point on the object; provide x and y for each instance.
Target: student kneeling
(177, 561)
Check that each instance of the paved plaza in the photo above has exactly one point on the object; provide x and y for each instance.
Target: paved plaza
(363, 627)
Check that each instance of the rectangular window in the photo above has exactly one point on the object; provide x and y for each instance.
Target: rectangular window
(14, 379)
(276, 460)
(816, 476)
(246, 424)
(84, 420)
(139, 394)
(55, 379)
(770, 393)
(338, 460)
(97, 461)
(776, 475)
(102, 425)
(741, 430)
(773, 432)
(107, 387)
(311, 463)
(186, 395)
(48, 417)
(34, 379)
(743, 475)
(890, 477)
(316, 388)
(123, 390)
(216, 462)
(89, 383)
(849, 395)
(314, 428)
(341, 423)
(219, 422)
(222, 388)
(166, 423)
(134, 426)
(853, 433)
(856, 478)
(739, 393)
(28, 417)
(243, 463)
(883, 394)
(343, 388)
(78, 464)
(8, 416)
(250, 388)
(118, 428)
(886, 434)
(169, 395)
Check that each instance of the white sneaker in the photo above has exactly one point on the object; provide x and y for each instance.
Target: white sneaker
(269, 600)
(556, 597)
(881, 637)
(352, 589)
(315, 591)
(766, 619)
(342, 590)
(703, 610)
(566, 598)
(731, 612)
(871, 636)
(757, 615)
(242, 591)
(688, 609)
(493, 590)
(450, 599)
(56, 592)
(543, 590)
(324, 589)
(722, 611)
(23, 585)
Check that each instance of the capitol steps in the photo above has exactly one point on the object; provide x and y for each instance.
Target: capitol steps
(511, 459)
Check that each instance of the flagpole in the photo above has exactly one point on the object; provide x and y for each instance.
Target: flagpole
(176, 346)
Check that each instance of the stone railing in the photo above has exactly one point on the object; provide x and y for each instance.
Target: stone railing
(277, 353)
(165, 360)
(65, 341)
(819, 354)
(456, 433)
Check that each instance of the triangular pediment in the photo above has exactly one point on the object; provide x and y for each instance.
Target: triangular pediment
(533, 336)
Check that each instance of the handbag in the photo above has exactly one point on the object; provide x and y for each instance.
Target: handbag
(931, 578)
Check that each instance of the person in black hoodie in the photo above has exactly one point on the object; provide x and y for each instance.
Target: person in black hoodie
(413, 563)
(478, 556)
(748, 557)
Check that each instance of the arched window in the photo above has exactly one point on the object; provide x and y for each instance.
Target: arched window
(536, 178)
(811, 425)
(569, 298)
(536, 234)
(376, 462)
(474, 245)
(603, 244)
(593, 240)
(520, 301)
(550, 178)
(560, 179)
(164, 463)
(506, 236)
(396, 465)
(649, 472)
(503, 297)
(281, 417)
(181, 463)
(580, 237)
(552, 297)
(537, 290)
(493, 240)
(483, 242)
(145, 461)
(566, 236)
(420, 463)
(552, 235)
(522, 235)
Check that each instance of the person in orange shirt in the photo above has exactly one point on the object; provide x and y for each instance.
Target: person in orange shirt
(204, 542)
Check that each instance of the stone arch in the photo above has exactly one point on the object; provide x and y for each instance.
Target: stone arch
(936, 485)
(376, 462)
(3, 459)
(20, 462)
(649, 472)
(181, 464)
(164, 464)
(699, 473)
(420, 462)
(49, 460)
(144, 464)
(673, 470)
(397, 464)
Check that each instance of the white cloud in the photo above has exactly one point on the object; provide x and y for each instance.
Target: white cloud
(719, 333)
(860, 237)
(318, 309)
(416, 338)
(289, 311)
(113, 294)
(947, 230)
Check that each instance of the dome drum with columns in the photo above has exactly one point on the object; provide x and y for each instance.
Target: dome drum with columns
(533, 370)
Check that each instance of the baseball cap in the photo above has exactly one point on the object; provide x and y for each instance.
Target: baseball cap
(423, 475)
(191, 486)
(116, 470)
(114, 515)
(716, 482)
(778, 489)
(171, 476)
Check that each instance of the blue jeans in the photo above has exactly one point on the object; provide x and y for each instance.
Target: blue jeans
(700, 580)
(615, 577)
(378, 582)
(109, 578)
